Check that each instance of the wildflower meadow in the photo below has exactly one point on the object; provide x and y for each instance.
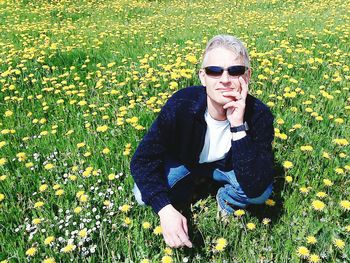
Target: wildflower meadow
(82, 81)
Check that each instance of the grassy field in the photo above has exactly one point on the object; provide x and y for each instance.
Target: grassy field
(81, 82)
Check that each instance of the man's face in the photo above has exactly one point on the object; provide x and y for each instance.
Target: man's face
(215, 86)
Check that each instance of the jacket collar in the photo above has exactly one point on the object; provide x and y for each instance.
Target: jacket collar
(201, 103)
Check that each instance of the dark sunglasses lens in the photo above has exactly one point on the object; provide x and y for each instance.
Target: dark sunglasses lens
(214, 71)
(236, 70)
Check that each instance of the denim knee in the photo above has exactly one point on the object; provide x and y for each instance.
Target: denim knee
(137, 195)
(174, 172)
(229, 195)
(262, 198)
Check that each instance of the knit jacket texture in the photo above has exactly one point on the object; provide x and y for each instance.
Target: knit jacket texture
(179, 131)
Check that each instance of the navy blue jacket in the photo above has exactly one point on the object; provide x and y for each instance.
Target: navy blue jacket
(179, 131)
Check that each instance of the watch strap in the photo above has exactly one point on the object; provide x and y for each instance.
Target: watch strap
(243, 127)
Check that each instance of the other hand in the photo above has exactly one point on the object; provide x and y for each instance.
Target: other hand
(174, 227)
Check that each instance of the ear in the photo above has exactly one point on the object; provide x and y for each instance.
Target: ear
(201, 75)
(248, 75)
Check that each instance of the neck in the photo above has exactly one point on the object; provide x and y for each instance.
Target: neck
(216, 111)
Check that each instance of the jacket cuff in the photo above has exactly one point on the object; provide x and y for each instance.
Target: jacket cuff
(159, 201)
(243, 148)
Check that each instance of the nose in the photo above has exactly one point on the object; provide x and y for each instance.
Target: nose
(225, 77)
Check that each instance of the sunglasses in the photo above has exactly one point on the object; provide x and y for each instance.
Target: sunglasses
(216, 71)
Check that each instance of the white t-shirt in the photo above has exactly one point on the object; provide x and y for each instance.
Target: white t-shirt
(217, 140)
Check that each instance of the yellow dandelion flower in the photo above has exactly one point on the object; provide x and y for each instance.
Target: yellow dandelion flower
(270, 202)
(280, 121)
(321, 194)
(125, 208)
(339, 170)
(157, 230)
(304, 190)
(266, 221)
(342, 155)
(81, 144)
(29, 164)
(82, 233)
(345, 204)
(221, 241)
(102, 128)
(2, 197)
(2, 144)
(3, 161)
(36, 221)
(306, 148)
(168, 251)
(38, 204)
(79, 193)
(347, 228)
(111, 177)
(239, 212)
(72, 177)
(327, 182)
(49, 260)
(219, 247)
(341, 142)
(146, 225)
(69, 248)
(251, 226)
(318, 205)
(77, 210)
(59, 192)
(145, 260)
(49, 166)
(43, 187)
(127, 220)
(49, 240)
(31, 251)
(303, 252)
(314, 258)
(83, 198)
(339, 243)
(106, 151)
(8, 113)
(339, 120)
(289, 179)
(167, 259)
(311, 240)
(326, 155)
(21, 156)
(287, 164)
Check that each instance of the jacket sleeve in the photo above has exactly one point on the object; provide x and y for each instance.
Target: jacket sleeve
(252, 156)
(147, 166)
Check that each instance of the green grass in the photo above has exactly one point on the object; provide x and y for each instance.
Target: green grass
(57, 79)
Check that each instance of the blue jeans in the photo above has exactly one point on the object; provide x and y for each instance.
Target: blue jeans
(228, 195)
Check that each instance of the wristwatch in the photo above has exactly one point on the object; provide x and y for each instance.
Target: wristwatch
(243, 127)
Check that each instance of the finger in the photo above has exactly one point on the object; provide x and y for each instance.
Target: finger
(244, 86)
(168, 241)
(184, 225)
(234, 94)
(185, 240)
(231, 104)
(177, 241)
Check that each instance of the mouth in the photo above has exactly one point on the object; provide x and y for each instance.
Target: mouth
(224, 89)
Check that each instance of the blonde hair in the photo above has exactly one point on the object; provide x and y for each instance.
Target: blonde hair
(229, 42)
